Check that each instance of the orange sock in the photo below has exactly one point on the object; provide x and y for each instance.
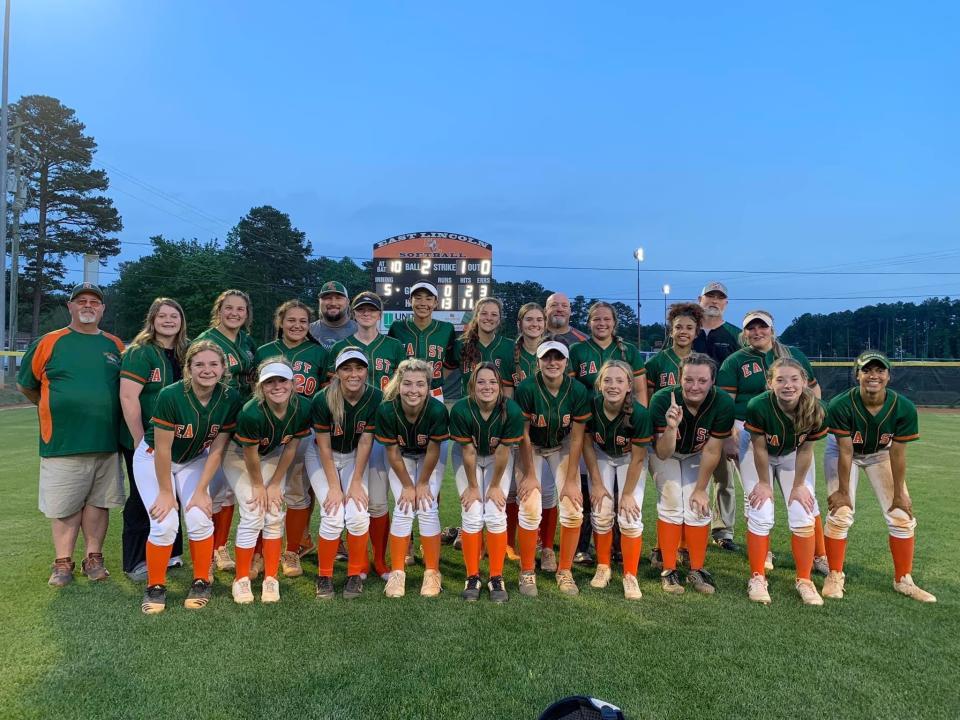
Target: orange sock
(379, 538)
(398, 551)
(244, 557)
(836, 552)
(431, 552)
(548, 527)
(157, 558)
(513, 514)
(357, 561)
(496, 551)
(326, 553)
(697, 536)
(222, 520)
(569, 537)
(669, 535)
(631, 548)
(527, 540)
(757, 552)
(803, 549)
(604, 545)
(471, 551)
(296, 523)
(902, 551)
(820, 549)
(272, 547)
(201, 555)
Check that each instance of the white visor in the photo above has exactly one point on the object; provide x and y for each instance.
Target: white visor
(549, 345)
(761, 316)
(432, 289)
(275, 369)
(348, 354)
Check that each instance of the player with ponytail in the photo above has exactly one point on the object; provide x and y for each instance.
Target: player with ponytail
(480, 342)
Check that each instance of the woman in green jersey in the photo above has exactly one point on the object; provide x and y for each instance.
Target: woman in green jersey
(783, 422)
(177, 464)
(587, 357)
(663, 369)
(480, 342)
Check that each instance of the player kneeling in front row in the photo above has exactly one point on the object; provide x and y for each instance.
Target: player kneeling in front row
(179, 458)
(269, 429)
(344, 417)
(615, 451)
(870, 427)
(486, 425)
(411, 425)
(690, 424)
(783, 423)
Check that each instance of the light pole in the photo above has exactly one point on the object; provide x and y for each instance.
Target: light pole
(666, 330)
(638, 256)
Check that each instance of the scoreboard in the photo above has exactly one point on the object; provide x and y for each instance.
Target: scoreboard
(460, 266)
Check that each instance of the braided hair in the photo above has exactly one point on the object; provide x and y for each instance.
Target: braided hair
(471, 356)
(287, 307)
(518, 345)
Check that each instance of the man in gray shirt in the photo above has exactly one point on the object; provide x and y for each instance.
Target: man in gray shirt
(558, 320)
(334, 322)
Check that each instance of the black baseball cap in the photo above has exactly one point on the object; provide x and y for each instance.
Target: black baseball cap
(367, 298)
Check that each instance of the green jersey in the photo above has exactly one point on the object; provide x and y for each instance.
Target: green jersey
(745, 374)
(384, 353)
(194, 425)
(663, 370)
(393, 428)
(150, 367)
(896, 421)
(240, 354)
(309, 361)
(765, 417)
(78, 376)
(586, 359)
(503, 427)
(551, 416)
(524, 366)
(617, 436)
(358, 418)
(714, 418)
(499, 352)
(257, 425)
(434, 343)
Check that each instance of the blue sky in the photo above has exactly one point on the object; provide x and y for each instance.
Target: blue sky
(821, 137)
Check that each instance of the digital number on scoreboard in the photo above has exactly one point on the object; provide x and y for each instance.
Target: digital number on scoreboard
(461, 267)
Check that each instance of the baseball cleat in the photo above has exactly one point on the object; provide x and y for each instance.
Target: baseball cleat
(448, 535)
(432, 583)
(290, 564)
(396, 584)
(354, 587)
(768, 562)
(92, 566)
(548, 560)
(324, 585)
(726, 544)
(808, 592)
(270, 591)
(256, 566)
(222, 559)
(62, 573)
(242, 594)
(458, 540)
(154, 600)
(702, 581)
(471, 589)
(631, 588)
(566, 583)
(583, 557)
(907, 587)
(498, 591)
(670, 582)
(199, 595)
(757, 589)
(821, 566)
(528, 583)
(833, 585)
(656, 559)
(601, 577)
(175, 562)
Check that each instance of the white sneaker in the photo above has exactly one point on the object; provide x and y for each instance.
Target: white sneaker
(601, 578)
(290, 564)
(907, 587)
(757, 589)
(242, 594)
(432, 584)
(631, 588)
(768, 562)
(808, 592)
(548, 560)
(566, 583)
(222, 559)
(396, 585)
(270, 592)
(833, 585)
(821, 566)
(528, 583)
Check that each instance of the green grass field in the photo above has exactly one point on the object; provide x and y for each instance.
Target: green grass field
(87, 651)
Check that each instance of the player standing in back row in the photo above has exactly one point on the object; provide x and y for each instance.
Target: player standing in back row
(425, 338)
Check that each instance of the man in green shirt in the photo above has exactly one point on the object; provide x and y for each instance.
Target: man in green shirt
(72, 375)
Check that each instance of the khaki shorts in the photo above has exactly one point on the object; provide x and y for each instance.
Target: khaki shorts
(69, 482)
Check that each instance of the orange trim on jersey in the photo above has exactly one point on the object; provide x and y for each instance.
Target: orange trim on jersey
(818, 435)
(162, 423)
(133, 376)
(720, 436)
(840, 432)
(464, 440)
(246, 440)
(318, 426)
(639, 373)
(228, 426)
(38, 367)
(643, 440)
(729, 388)
(505, 382)
(385, 440)
(583, 418)
(302, 434)
(906, 438)
(512, 440)
(754, 429)
(439, 438)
